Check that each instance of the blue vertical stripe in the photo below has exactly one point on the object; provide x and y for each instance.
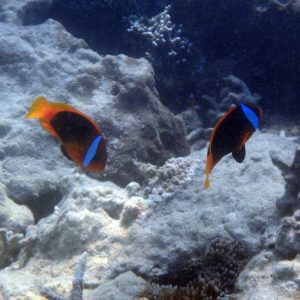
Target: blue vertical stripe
(91, 151)
(251, 116)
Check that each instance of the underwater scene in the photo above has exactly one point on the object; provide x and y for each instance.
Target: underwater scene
(150, 150)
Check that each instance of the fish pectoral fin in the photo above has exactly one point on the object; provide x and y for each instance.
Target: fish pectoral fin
(239, 155)
(64, 152)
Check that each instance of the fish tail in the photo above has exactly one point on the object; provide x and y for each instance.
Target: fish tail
(39, 109)
(206, 183)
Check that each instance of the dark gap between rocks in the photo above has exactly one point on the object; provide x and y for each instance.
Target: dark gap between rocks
(43, 205)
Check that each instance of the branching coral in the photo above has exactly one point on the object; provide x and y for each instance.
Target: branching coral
(216, 273)
(11, 244)
(222, 263)
(78, 277)
(165, 40)
(76, 293)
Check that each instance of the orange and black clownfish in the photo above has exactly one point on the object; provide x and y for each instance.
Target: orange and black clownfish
(230, 134)
(81, 139)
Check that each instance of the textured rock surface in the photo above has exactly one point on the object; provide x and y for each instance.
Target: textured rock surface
(169, 220)
(205, 214)
(266, 277)
(126, 286)
(8, 10)
(24, 11)
(135, 233)
(117, 92)
(205, 51)
(93, 215)
(13, 217)
(274, 273)
(287, 243)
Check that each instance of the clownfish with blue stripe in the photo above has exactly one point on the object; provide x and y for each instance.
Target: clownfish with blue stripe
(80, 137)
(230, 135)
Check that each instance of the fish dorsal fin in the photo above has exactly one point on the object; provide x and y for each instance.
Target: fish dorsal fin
(239, 155)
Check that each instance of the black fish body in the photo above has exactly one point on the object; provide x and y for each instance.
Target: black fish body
(230, 134)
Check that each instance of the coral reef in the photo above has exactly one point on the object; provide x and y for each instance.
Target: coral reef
(8, 246)
(15, 220)
(143, 231)
(147, 214)
(103, 19)
(126, 286)
(268, 277)
(274, 273)
(233, 92)
(94, 213)
(210, 51)
(191, 119)
(13, 217)
(76, 293)
(235, 39)
(292, 178)
(287, 243)
(236, 91)
(118, 92)
(15, 247)
(189, 218)
(164, 37)
(214, 274)
(290, 201)
(262, 6)
(162, 42)
(163, 182)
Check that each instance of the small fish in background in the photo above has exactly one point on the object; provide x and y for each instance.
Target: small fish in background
(191, 102)
(81, 139)
(230, 134)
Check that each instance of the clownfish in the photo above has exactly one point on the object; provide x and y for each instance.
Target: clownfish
(81, 139)
(230, 134)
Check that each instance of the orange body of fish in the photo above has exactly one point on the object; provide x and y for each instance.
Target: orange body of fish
(81, 139)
